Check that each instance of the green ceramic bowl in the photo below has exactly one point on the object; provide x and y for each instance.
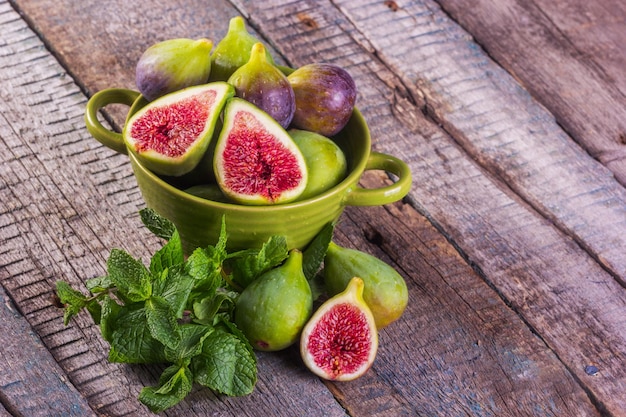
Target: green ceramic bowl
(199, 220)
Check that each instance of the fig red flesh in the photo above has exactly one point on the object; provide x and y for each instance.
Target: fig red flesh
(340, 341)
(170, 130)
(345, 351)
(256, 161)
(264, 166)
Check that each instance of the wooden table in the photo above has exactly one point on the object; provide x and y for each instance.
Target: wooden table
(512, 116)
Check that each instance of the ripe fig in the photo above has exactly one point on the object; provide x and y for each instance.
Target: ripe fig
(385, 291)
(340, 341)
(261, 83)
(256, 162)
(171, 134)
(272, 310)
(325, 98)
(233, 50)
(325, 161)
(172, 65)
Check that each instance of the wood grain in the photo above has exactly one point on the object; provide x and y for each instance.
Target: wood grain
(514, 283)
(567, 54)
(29, 373)
(499, 125)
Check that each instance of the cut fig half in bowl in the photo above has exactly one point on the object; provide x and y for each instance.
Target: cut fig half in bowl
(198, 220)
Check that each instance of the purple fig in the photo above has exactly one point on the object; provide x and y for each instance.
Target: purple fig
(325, 97)
(262, 84)
(173, 65)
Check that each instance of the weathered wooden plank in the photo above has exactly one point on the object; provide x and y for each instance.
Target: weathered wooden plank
(458, 349)
(385, 127)
(66, 202)
(499, 125)
(28, 373)
(568, 54)
(543, 274)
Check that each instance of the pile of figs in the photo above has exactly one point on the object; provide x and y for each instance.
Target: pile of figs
(273, 140)
(238, 128)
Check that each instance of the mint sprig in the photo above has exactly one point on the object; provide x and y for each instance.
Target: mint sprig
(179, 312)
(174, 311)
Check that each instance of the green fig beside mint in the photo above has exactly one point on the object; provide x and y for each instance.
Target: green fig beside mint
(172, 65)
(274, 308)
(385, 291)
(233, 50)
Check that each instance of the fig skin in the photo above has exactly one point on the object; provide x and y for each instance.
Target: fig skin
(233, 50)
(274, 308)
(325, 161)
(256, 162)
(172, 65)
(264, 85)
(385, 291)
(340, 341)
(325, 98)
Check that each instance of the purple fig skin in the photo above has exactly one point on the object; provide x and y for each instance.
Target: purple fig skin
(265, 86)
(325, 98)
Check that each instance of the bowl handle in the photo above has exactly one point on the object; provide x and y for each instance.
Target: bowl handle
(99, 100)
(360, 196)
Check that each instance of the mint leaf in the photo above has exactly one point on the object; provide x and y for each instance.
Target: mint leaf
(156, 223)
(174, 385)
(169, 255)
(131, 339)
(225, 365)
(250, 264)
(108, 316)
(130, 276)
(206, 309)
(193, 335)
(99, 284)
(73, 300)
(174, 285)
(162, 323)
(205, 266)
(313, 255)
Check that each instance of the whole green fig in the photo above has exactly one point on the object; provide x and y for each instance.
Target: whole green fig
(385, 291)
(171, 65)
(262, 84)
(274, 308)
(233, 50)
(325, 161)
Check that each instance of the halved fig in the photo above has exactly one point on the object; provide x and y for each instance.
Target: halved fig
(256, 162)
(340, 341)
(171, 134)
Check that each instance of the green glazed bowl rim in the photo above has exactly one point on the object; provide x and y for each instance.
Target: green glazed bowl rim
(349, 181)
(360, 161)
